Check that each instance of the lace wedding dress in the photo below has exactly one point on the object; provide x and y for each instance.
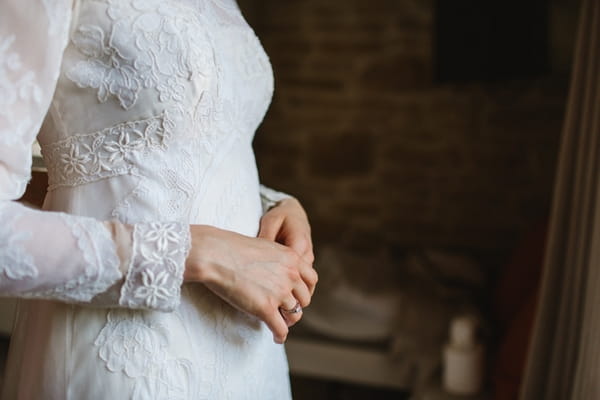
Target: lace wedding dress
(146, 111)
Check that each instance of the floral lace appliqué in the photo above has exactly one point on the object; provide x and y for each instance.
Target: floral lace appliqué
(156, 272)
(134, 344)
(81, 159)
(151, 44)
(154, 288)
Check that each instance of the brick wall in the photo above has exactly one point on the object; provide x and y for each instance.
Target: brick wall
(383, 158)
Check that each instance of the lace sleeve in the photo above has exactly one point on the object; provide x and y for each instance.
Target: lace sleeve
(55, 255)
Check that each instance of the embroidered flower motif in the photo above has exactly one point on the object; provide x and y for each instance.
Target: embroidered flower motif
(150, 44)
(155, 276)
(129, 344)
(163, 236)
(161, 245)
(124, 143)
(154, 288)
(74, 162)
(105, 70)
(136, 344)
(86, 158)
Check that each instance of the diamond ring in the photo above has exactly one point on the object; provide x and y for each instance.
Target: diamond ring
(297, 308)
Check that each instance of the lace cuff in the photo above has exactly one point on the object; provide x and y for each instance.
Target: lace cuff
(270, 197)
(155, 274)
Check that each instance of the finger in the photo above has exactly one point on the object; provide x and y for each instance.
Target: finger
(302, 292)
(278, 326)
(301, 244)
(292, 314)
(309, 276)
(291, 318)
(290, 305)
(270, 227)
(296, 235)
(309, 256)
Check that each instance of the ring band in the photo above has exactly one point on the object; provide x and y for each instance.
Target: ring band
(297, 308)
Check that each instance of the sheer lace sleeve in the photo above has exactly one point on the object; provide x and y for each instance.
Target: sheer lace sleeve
(55, 255)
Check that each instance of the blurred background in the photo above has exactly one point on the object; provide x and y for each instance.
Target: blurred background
(422, 138)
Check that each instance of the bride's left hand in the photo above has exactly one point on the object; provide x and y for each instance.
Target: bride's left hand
(287, 224)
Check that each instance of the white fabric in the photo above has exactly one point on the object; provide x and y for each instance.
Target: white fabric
(147, 109)
(270, 197)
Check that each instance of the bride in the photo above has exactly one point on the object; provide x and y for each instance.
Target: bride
(160, 268)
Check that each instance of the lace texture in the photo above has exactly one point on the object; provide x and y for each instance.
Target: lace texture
(155, 275)
(101, 269)
(136, 345)
(151, 44)
(17, 84)
(15, 262)
(110, 152)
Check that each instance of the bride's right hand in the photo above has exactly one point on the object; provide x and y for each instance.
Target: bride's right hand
(254, 275)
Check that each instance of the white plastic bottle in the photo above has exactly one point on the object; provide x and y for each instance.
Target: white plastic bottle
(463, 364)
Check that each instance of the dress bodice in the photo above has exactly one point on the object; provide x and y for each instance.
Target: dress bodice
(154, 95)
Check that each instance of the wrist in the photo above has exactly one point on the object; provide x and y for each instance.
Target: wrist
(200, 265)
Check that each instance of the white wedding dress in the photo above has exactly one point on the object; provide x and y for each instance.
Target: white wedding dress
(146, 111)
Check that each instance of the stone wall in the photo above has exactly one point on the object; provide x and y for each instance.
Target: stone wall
(385, 159)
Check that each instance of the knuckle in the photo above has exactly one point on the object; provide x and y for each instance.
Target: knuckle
(302, 243)
(293, 274)
(265, 308)
(283, 292)
(291, 257)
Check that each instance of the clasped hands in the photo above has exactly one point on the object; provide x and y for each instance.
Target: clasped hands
(261, 276)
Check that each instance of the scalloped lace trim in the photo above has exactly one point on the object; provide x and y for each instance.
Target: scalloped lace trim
(101, 263)
(15, 262)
